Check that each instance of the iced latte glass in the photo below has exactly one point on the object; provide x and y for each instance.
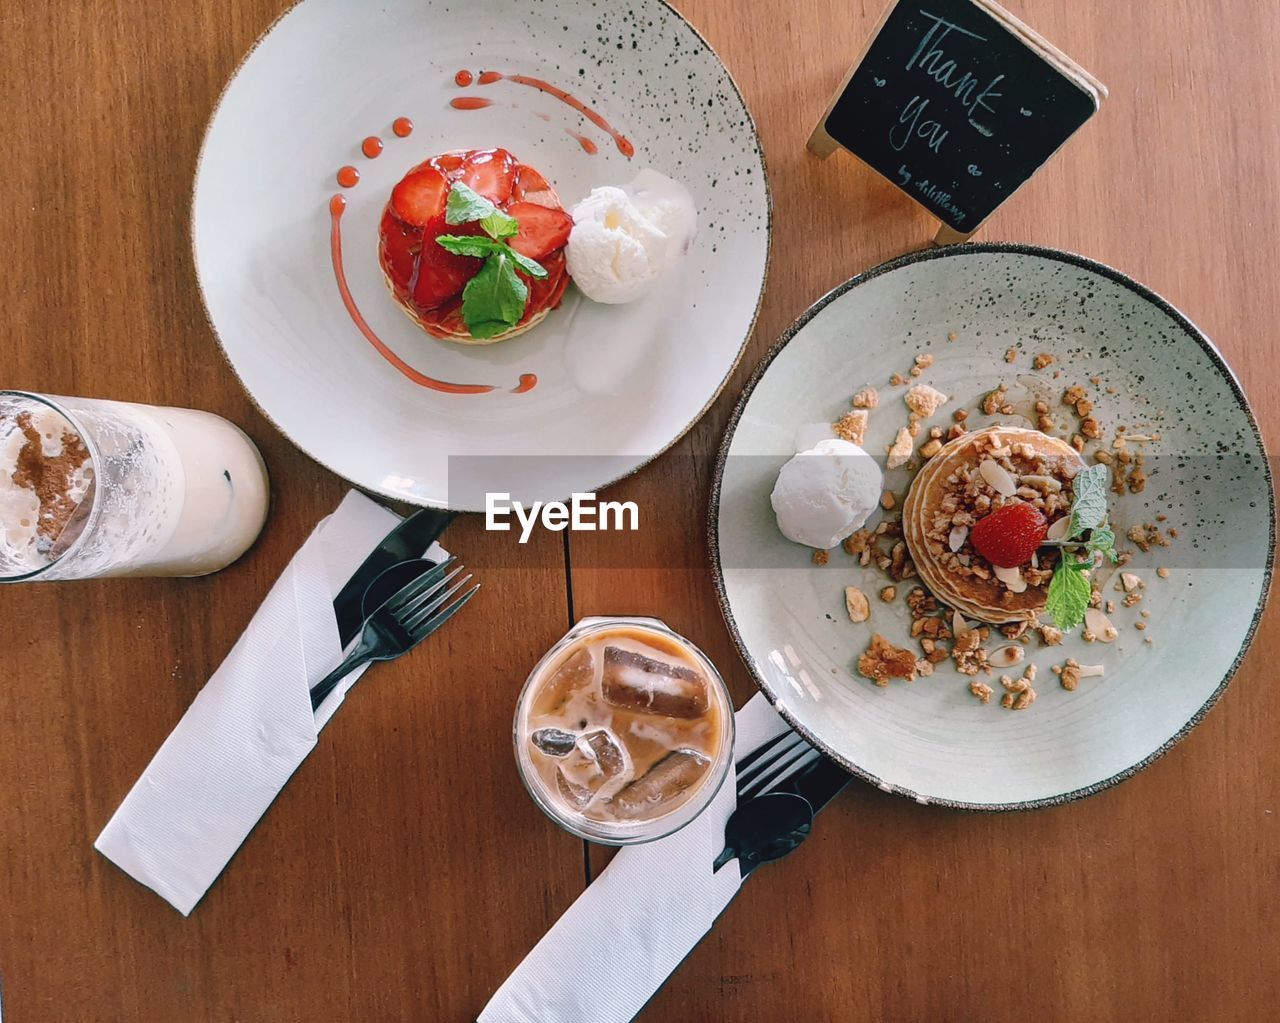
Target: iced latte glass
(624, 731)
(90, 488)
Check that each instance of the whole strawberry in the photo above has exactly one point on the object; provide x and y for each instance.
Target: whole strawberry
(1008, 537)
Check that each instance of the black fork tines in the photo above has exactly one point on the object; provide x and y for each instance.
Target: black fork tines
(414, 589)
(422, 614)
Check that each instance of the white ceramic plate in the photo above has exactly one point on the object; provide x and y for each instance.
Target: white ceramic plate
(617, 384)
(931, 740)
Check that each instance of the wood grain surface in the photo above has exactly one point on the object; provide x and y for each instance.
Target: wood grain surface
(404, 872)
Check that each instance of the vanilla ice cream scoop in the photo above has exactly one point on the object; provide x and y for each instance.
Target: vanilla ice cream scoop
(824, 494)
(625, 238)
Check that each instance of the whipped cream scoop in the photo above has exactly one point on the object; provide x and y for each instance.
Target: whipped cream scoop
(625, 238)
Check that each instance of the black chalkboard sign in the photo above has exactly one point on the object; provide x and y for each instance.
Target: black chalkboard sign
(958, 103)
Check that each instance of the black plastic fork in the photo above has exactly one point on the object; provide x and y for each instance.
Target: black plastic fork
(404, 621)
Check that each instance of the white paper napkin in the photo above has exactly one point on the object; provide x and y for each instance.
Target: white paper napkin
(618, 943)
(251, 725)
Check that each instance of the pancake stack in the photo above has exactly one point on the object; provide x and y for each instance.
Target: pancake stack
(984, 599)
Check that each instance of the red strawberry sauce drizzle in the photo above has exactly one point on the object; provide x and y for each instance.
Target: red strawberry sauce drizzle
(337, 206)
(489, 77)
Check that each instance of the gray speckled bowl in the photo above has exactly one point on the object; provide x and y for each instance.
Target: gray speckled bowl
(931, 740)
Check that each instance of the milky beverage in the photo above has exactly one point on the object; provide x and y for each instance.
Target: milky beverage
(91, 487)
(623, 727)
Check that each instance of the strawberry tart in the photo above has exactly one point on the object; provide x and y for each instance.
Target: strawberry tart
(472, 246)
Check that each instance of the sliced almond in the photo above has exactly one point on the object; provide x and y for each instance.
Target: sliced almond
(856, 603)
(1100, 625)
(1090, 671)
(1011, 577)
(1058, 528)
(998, 477)
(958, 625)
(1042, 482)
(1006, 656)
(957, 538)
(1130, 582)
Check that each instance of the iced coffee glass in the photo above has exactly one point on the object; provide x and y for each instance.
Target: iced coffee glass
(624, 731)
(91, 488)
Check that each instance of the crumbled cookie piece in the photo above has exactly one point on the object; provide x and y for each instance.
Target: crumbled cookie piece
(888, 593)
(931, 448)
(981, 690)
(887, 500)
(995, 400)
(1050, 635)
(924, 400)
(1073, 394)
(897, 380)
(883, 661)
(952, 336)
(856, 604)
(1162, 572)
(1010, 356)
(852, 426)
(821, 557)
(1147, 536)
(1091, 428)
(924, 361)
(1042, 361)
(900, 450)
(868, 397)
(960, 415)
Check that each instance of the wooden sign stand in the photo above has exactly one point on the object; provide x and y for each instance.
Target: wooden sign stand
(958, 103)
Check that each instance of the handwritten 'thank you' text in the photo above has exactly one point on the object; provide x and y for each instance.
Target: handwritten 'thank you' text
(932, 59)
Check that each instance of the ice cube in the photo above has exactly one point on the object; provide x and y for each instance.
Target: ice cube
(607, 752)
(675, 773)
(636, 682)
(573, 675)
(577, 796)
(553, 741)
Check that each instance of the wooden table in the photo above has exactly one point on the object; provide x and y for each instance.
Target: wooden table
(404, 872)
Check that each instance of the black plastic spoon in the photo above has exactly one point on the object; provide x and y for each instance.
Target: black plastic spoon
(765, 828)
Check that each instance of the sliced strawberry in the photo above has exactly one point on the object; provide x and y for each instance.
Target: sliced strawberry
(448, 164)
(1008, 537)
(491, 172)
(442, 274)
(543, 230)
(399, 245)
(528, 181)
(437, 284)
(420, 196)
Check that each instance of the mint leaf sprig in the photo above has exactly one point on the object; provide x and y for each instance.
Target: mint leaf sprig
(495, 299)
(1088, 533)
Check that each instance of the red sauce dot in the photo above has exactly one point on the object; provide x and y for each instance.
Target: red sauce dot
(348, 176)
(470, 103)
(371, 146)
(463, 78)
(337, 204)
(489, 77)
(528, 381)
(403, 127)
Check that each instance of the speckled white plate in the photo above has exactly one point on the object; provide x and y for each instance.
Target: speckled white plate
(931, 740)
(617, 384)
